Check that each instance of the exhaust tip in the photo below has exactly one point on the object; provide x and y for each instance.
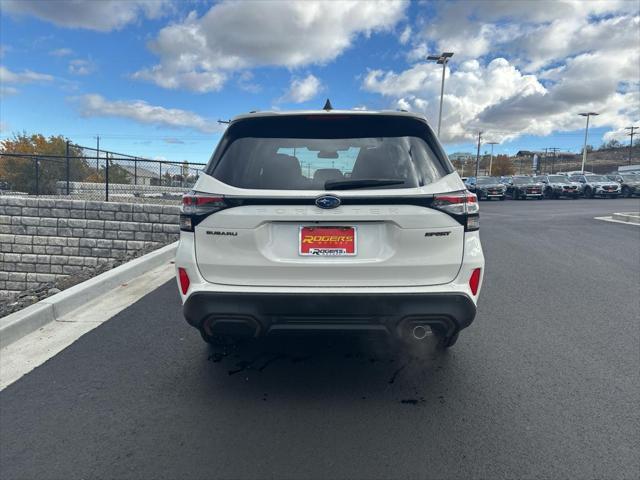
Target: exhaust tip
(420, 332)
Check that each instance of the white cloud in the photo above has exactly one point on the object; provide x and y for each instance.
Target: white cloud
(93, 105)
(504, 101)
(405, 36)
(302, 89)
(200, 53)
(173, 140)
(246, 83)
(7, 91)
(8, 79)
(561, 57)
(531, 34)
(81, 67)
(61, 52)
(103, 15)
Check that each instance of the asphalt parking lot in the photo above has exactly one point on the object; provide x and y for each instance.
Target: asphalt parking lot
(544, 384)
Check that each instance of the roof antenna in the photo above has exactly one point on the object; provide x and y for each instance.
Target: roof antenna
(327, 105)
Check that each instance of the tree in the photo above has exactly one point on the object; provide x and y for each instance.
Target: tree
(39, 155)
(589, 149)
(613, 143)
(502, 165)
(117, 174)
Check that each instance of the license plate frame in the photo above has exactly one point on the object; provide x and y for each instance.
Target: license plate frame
(331, 250)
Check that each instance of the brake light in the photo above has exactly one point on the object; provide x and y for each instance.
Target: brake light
(196, 207)
(183, 278)
(474, 281)
(463, 206)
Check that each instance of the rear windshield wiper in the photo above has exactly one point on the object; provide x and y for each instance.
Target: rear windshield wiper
(363, 183)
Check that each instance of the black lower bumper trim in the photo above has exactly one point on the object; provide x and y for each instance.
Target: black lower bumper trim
(259, 314)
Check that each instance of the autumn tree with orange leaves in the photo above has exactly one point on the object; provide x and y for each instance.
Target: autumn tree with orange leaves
(20, 172)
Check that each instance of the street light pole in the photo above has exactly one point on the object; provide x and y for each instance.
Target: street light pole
(441, 59)
(586, 133)
(478, 154)
(491, 158)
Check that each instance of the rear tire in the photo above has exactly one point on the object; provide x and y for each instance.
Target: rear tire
(626, 192)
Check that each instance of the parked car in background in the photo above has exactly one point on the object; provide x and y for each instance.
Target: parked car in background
(523, 187)
(629, 185)
(597, 186)
(487, 188)
(470, 183)
(556, 186)
(615, 177)
(575, 172)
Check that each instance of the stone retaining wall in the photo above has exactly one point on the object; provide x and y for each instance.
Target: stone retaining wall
(44, 239)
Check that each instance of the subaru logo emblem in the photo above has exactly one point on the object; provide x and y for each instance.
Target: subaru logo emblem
(328, 201)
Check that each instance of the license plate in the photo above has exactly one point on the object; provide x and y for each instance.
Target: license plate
(328, 241)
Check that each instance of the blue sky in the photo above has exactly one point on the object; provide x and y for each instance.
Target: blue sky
(153, 77)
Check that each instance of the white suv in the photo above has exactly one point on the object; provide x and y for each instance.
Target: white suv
(329, 221)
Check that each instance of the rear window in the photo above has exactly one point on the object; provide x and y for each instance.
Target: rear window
(333, 151)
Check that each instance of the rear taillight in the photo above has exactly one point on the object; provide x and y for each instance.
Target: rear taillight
(474, 281)
(196, 207)
(463, 206)
(183, 278)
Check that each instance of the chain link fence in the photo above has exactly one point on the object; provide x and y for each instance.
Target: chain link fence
(91, 174)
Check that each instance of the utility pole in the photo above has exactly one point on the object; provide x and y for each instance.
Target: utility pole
(553, 161)
(478, 154)
(441, 59)
(586, 133)
(631, 142)
(491, 158)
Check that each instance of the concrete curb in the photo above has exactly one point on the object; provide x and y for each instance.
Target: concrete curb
(18, 324)
(630, 217)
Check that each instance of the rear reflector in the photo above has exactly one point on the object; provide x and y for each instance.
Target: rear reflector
(474, 281)
(184, 280)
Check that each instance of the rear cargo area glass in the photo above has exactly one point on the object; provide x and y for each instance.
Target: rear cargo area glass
(317, 152)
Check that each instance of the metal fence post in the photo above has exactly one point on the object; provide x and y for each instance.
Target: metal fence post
(135, 171)
(37, 176)
(67, 166)
(160, 165)
(106, 178)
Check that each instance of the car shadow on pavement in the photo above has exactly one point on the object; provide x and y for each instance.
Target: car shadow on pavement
(312, 366)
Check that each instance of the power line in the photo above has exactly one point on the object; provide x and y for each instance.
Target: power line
(555, 150)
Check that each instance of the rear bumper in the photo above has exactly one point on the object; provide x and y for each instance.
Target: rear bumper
(259, 314)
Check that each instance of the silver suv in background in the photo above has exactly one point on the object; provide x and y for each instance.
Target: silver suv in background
(556, 186)
(597, 186)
